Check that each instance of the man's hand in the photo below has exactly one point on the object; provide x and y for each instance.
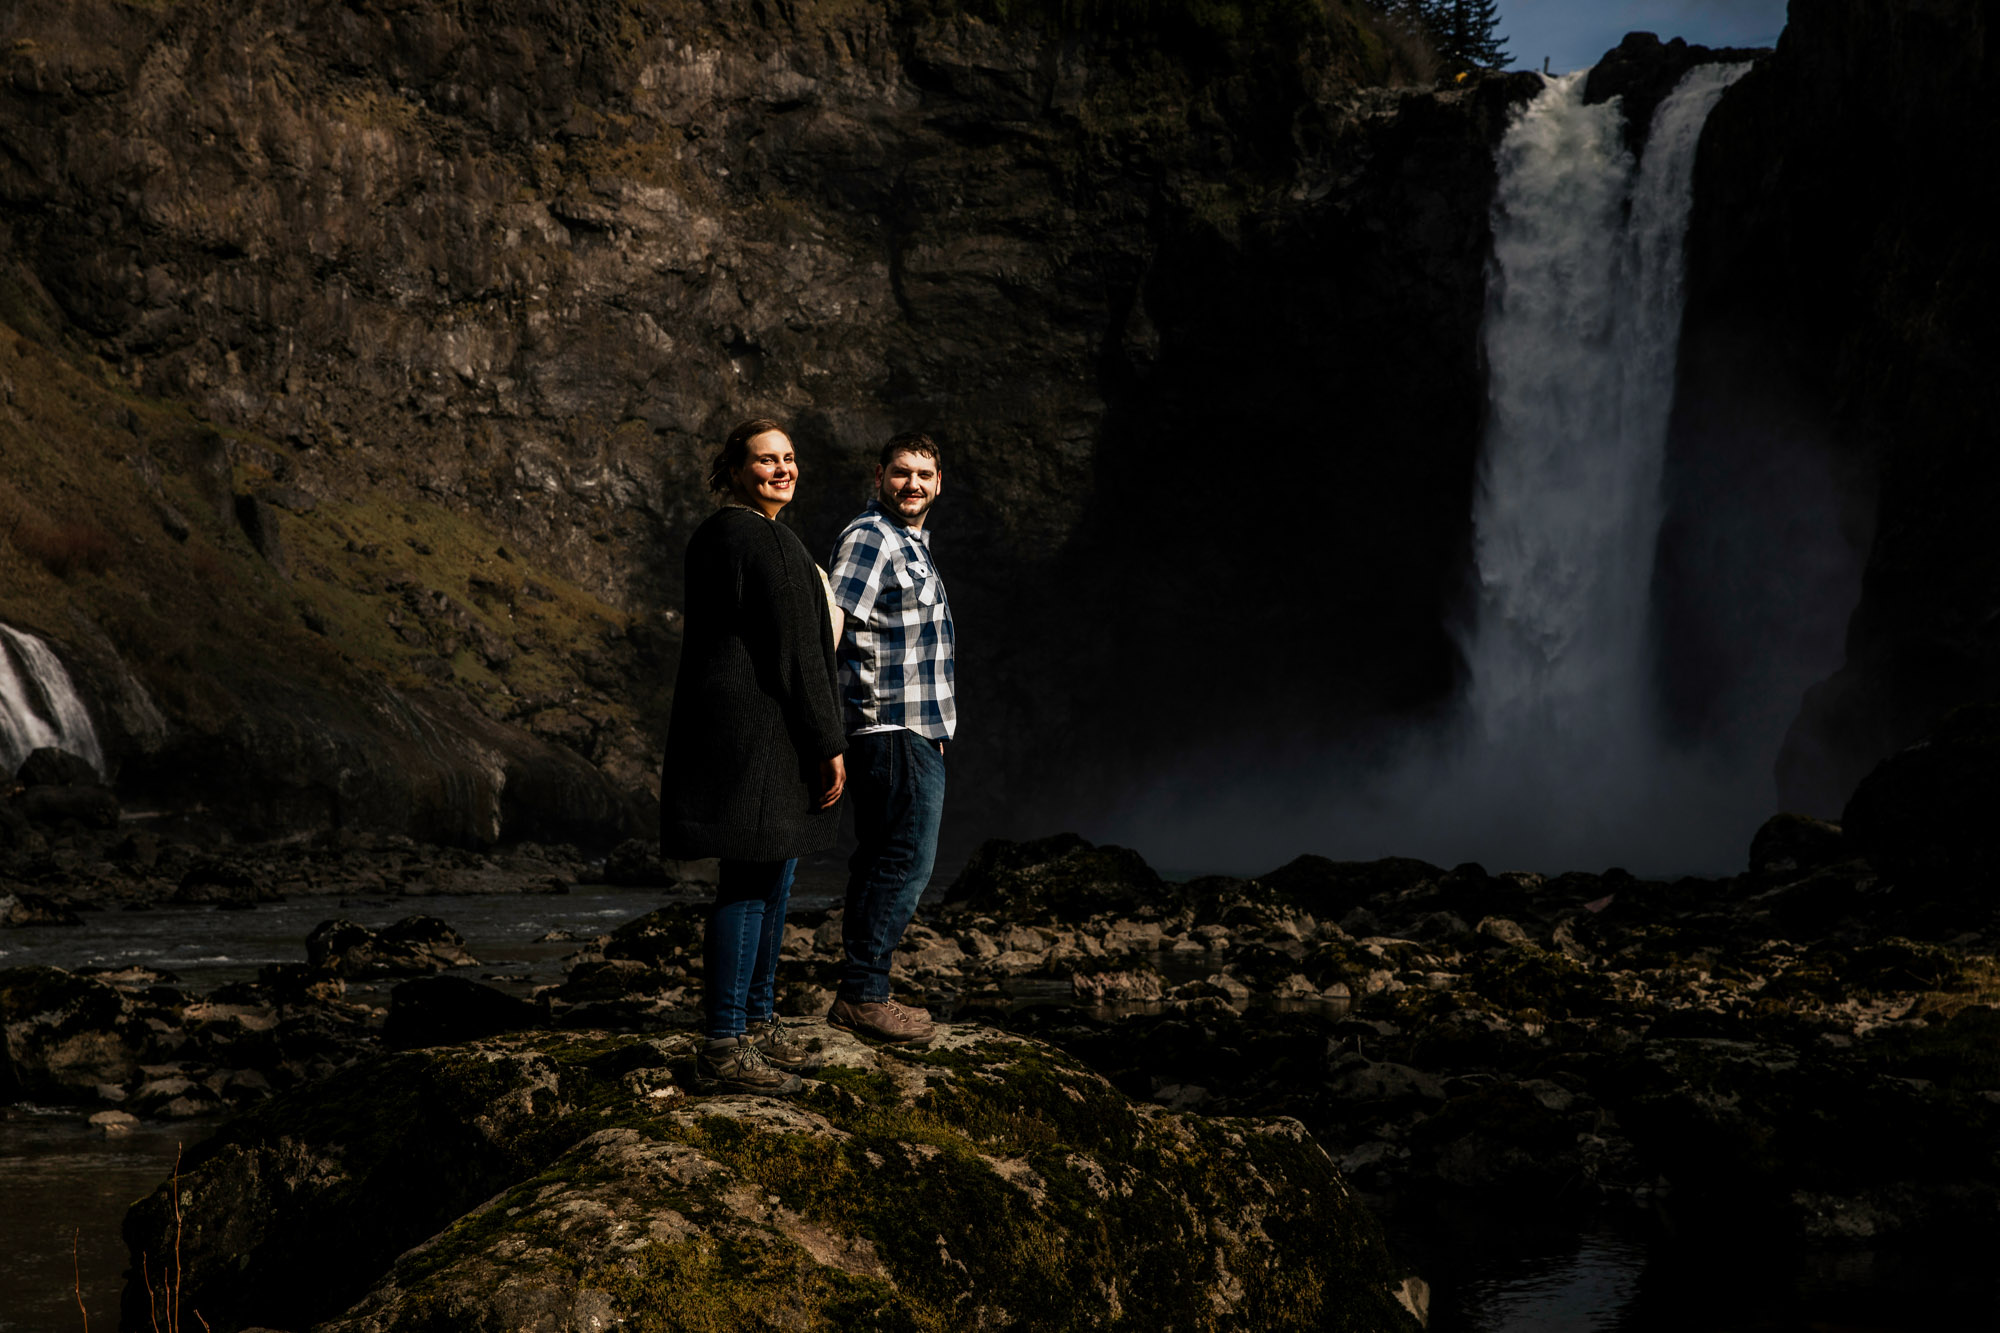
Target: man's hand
(833, 778)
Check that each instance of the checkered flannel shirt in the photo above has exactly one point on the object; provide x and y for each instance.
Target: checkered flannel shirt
(896, 654)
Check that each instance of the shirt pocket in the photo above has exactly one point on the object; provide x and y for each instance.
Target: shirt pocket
(917, 582)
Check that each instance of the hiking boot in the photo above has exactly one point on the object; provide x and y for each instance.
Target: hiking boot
(736, 1065)
(882, 1020)
(780, 1048)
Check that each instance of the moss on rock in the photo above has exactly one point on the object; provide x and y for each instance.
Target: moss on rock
(987, 1182)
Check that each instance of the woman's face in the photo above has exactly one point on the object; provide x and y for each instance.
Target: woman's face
(769, 473)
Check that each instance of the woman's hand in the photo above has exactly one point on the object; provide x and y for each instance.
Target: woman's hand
(832, 777)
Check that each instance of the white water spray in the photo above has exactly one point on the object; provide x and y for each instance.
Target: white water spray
(39, 705)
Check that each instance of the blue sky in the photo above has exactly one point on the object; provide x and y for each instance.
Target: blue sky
(1575, 33)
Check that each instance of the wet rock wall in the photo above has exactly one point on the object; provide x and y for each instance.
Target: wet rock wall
(1832, 431)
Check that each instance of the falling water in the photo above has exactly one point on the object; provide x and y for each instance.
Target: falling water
(1555, 760)
(1582, 326)
(39, 706)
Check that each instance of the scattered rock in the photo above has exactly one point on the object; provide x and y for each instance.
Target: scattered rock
(1119, 985)
(32, 909)
(65, 1035)
(299, 984)
(637, 864)
(224, 883)
(412, 946)
(440, 1010)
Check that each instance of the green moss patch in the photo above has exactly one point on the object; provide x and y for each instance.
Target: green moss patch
(988, 1183)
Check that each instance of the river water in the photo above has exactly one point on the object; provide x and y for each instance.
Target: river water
(63, 1182)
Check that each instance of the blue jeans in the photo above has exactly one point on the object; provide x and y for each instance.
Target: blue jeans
(746, 927)
(895, 782)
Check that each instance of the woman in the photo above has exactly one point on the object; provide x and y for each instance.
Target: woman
(753, 767)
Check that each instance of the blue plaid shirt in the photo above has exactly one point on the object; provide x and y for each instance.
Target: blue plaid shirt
(896, 653)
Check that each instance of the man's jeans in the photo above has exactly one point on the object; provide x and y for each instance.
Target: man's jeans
(746, 927)
(895, 782)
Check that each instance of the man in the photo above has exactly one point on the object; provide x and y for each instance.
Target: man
(895, 660)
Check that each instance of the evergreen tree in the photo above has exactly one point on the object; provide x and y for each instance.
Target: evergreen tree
(1464, 33)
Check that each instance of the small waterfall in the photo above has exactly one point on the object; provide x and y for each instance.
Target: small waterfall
(39, 706)
(1582, 326)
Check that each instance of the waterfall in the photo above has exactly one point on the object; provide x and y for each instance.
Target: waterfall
(39, 706)
(1555, 758)
(1581, 331)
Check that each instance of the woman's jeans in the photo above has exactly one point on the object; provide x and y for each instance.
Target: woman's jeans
(746, 927)
(895, 782)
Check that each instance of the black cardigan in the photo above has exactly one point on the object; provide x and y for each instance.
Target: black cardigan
(754, 704)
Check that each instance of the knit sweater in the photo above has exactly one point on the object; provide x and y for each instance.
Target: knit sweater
(754, 710)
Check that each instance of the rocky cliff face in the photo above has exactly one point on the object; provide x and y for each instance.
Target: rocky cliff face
(371, 356)
(1836, 371)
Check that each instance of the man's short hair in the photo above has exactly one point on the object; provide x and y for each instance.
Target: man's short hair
(913, 442)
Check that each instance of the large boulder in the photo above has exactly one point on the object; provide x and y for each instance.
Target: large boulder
(1058, 878)
(562, 1181)
(1792, 844)
(636, 864)
(411, 947)
(1929, 809)
(52, 806)
(1330, 889)
(223, 883)
(63, 1035)
(32, 909)
(666, 938)
(51, 767)
(435, 1011)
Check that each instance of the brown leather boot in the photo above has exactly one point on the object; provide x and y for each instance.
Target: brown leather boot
(736, 1065)
(882, 1020)
(781, 1047)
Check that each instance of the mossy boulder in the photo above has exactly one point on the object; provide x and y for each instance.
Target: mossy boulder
(667, 938)
(988, 1182)
(413, 946)
(338, 1178)
(1331, 889)
(1058, 878)
(61, 1035)
(1792, 844)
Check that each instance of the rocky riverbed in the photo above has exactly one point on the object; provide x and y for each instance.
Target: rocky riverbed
(1806, 1050)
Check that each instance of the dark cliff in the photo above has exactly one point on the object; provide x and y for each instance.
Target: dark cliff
(1836, 370)
(364, 362)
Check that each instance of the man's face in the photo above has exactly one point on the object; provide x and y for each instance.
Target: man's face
(908, 484)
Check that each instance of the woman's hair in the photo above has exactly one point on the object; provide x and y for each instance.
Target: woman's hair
(736, 450)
